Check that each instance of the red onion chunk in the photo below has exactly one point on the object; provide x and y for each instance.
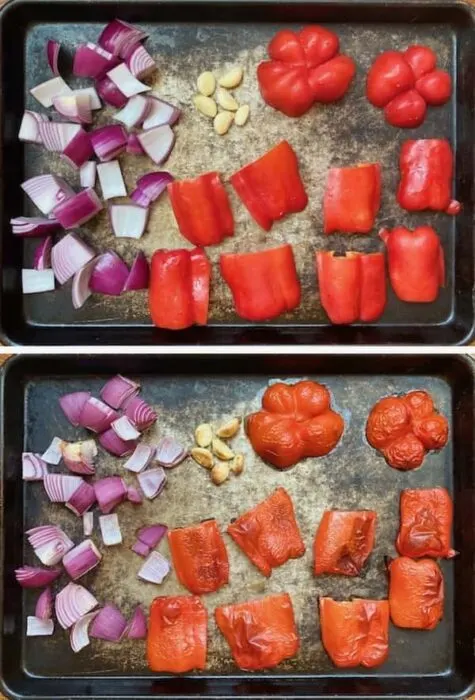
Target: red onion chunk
(110, 491)
(91, 92)
(111, 442)
(29, 128)
(68, 256)
(47, 191)
(88, 522)
(125, 429)
(170, 453)
(76, 107)
(139, 196)
(78, 209)
(82, 499)
(33, 467)
(157, 143)
(161, 113)
(34, 281)
(134, 495)
(42, 254)
(118, 389)
(134, 112)
(47, 91)
(79, 456)
(151, 535)
(72, 602)
(140, 459)
(80, 291)
(44, 605)
(152, 482)
(109, 624)
(36, 576)
(137, 625)
(50, 543)
(140, 413)
(33, 226)
(128, 220)
(57, 135)
(141, 549)
(126, 82)
(87, 173)
(61, 487)
(96, 415)
(52, 55)
(110, 530)
(134, 147)
(53, 454)
(154, 569)
(79, 150)
(91, 61)
(109, 141)
(110, 93)
(72, 405)
(139, 62)
(109, 275)
(112, 182)
(119, 36)
(79, 637)
(153, 184)
(83, 558)
(139, 274)
(36, 627)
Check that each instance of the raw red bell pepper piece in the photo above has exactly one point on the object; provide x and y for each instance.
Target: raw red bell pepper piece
(352, 286)
(352, 198)
(202, 210)
(416, 263)
(416, 593)
(263, 284)
(179, 288)
(343, 542)
(426, 523)
(426, 167)
(305, 68)
(270, 186)
(356, 632)
(261, 633)
(177, 634)
(199, 557)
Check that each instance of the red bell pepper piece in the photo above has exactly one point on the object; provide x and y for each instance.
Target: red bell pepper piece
(343, 542)
(305, 68)
(352, 198)
(263, 284)
(426, 523)
(416, 263)
(179, 288)
(426, 176)
(271, 187)
(352, 287)
(202, 210)
(416, 593)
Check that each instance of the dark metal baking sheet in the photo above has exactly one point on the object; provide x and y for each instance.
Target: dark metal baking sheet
(438, 663)
(186, 39)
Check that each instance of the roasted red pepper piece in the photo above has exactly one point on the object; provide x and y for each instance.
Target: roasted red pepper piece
(179, 288)
(355, 633)
(352, 286)
(202, 210)
(305, 68)
(352, 198)
(343, 542)
(426, 523)
(199, 557)
(177, 634)
(268, 533)
(270, 186)
(296, 421)
(426, 167)
(260, 633)
(416, 593)
(416, 263)
(264, 284)
(405, 427)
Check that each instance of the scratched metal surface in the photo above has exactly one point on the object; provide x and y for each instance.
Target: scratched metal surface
(340, 134)
(354, 476)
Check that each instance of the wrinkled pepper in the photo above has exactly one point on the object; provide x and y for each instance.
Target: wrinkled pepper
(264, 284)
(199, 557)
(177, 634)
(268, 533)
(352, 198)
(260, 633)
(356, 632)
(343, 542)
(416, 593)
(416, 263)
(426, 523)
(202, 209)
(305, 67)
(426, 168)
(296, 421)
(179, 288)
(271, 186)
(352, 286)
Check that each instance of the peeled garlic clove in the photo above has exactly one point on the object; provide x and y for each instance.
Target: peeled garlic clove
(203, 457)
(204, 435)
(237, 465)
(206, 83)
(221, 450)
(222, 122)
(205, 105)
(232, 78)
(226, 100)
(228, 429)
(219, 473)
(242, 115)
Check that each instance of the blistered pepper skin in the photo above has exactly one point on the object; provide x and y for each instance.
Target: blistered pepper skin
(426, 523)
(343, 542)
(416, 593)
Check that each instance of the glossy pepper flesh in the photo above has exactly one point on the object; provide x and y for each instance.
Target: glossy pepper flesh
(426, 167)
(202, 210)
(416, 593)
(261, 633)
(263, 284)
(352, 286)
(305, 67)
(343, 542)
(355, 633)
(199, 557)
(271, 186)
(296, 421)
(268, 533)
(426, 523)
(177, 634)
(416, 263)
(352, 198)
(179, 288)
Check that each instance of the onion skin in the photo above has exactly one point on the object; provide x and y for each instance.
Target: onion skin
(72, 405)
(44, 604)
(138, 625)
(139, 275)
(109, 624)
(110, 93)
(118, 390)
(109, 274)
(36, 576)
(110, 491)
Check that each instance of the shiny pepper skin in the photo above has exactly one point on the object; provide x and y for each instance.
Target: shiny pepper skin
(416, 593)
